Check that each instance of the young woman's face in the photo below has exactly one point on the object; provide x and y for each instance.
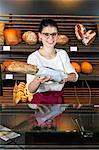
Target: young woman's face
(49, 36)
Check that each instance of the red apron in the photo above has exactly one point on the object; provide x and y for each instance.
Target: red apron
(49, 97)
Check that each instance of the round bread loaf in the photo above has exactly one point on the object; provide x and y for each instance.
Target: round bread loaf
(86, 67)
(30, 37)
(62, 39)
(12, 36)
(76, 66)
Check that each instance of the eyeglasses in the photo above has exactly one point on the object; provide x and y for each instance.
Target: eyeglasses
(47, 35)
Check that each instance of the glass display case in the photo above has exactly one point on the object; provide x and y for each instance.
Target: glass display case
(73, 128)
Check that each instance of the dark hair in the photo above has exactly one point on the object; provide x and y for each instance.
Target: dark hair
(47, 22)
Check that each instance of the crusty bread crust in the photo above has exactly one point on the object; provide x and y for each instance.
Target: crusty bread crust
(19, 67)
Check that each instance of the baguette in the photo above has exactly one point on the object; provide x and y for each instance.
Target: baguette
(19, 67)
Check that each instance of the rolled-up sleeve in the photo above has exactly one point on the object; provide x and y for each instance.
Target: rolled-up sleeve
(68, 66)
(70, 69)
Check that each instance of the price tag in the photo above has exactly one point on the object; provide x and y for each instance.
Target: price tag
(73, 48)
(6, 48)
(9, 76)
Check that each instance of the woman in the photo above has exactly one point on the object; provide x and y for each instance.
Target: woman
(45, 90)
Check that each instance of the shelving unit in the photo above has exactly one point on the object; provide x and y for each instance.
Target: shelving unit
(72, 91)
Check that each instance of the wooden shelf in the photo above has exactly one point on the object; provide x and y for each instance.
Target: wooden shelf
(66, 25)
(72, 95)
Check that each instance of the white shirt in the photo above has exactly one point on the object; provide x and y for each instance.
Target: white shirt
(60, 61)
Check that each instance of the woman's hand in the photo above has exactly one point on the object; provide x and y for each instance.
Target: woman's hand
(71, 78)
(63, 81)
(43, 79)
(34, 85)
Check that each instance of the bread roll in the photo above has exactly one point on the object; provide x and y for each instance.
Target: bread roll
(89, 37)
(18, 97)
(24, 99)
(30, 37)
(12, 36)
(86, 67)
(19, 67)
(21, 89)
(21, 84)
(62, 39)
(21, 93)
(18, 93)
(27, 93)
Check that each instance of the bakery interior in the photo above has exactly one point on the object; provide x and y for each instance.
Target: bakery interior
(78, 126)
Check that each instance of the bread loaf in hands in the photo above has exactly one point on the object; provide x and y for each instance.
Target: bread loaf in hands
(56, 75)
(19, 67)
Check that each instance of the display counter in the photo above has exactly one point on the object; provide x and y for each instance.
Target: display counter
(74, 128)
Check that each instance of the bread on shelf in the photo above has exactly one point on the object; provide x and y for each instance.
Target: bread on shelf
(30, 37)
(19, 67)
(62, 39)
(12, 36)
(21, 93)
